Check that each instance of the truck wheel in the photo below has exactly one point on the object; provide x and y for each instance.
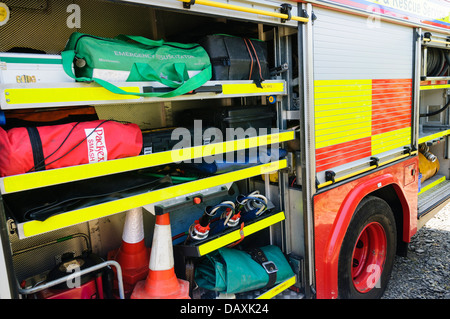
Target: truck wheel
(368, 250)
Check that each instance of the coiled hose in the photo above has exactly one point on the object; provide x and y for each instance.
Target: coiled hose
(437, 62)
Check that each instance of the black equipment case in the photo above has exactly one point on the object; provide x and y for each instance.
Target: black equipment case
(245, 117)
(235, 58)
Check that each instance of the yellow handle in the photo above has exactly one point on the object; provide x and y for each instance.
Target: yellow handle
(245, 9)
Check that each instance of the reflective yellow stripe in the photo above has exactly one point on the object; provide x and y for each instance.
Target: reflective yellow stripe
(248, 10)
(341, 137)
(434, 136)
(348, 119)
(236, 235)
(93, 212)
(324, 129)
(348, 104)
(249, 88)
(343, 111)
(64, 95)
(434, 87)
(431, 185)
(346, 84)
(387, 141)
(355, 94)
(278, 289)
(341, 124)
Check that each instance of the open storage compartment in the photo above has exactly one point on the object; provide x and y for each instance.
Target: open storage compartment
(434, 123)
(33, 96)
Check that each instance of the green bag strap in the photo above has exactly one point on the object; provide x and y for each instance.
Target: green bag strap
(187, 86)
(155, 43)
(144, 69)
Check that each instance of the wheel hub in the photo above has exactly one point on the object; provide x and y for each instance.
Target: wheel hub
(369, 256)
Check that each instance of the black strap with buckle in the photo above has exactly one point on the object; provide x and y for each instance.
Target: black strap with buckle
(269, 266)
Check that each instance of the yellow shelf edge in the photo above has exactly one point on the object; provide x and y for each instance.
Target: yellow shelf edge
(17, 183)
(431, 185)
(251, 88)
(58, 94)
(71, 218)
(434, 87)
(434, 136)
(236, 235)
(30, 95)
(278, 289)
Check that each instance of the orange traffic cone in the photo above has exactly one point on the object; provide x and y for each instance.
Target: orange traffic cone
(161, 282)
(132, 255)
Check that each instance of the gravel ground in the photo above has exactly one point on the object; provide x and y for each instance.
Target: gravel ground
(425, 273)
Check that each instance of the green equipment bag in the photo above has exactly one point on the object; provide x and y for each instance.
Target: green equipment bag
(180, 67)
(235, 271)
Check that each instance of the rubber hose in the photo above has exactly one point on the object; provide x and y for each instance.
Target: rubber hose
(447, 56)
(436, 112)
(436, 62)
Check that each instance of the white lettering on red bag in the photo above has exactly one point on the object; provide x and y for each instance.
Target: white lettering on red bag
(96, 145)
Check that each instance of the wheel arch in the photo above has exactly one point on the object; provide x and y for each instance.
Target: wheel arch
(395, 198)
(386, 187)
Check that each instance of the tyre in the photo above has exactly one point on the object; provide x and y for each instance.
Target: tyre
(367, 252)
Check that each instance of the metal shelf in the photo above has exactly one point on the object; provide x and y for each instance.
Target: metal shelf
(434, 78)
(22, 182)
(38, 95)
(430, 133)
(201, 248)
(31, 228)
(434, 87)
(272, 292)
(433, 191)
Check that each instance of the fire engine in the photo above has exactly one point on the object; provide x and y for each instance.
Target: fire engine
(313, 149)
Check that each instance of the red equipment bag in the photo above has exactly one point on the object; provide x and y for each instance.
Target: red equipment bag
(28, 149)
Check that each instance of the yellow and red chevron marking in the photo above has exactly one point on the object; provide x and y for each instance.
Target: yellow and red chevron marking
(355, 119)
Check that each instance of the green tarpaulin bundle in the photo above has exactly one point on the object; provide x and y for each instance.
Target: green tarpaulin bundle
(235, 271)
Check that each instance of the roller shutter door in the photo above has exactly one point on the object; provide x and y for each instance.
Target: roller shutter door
(362, 90)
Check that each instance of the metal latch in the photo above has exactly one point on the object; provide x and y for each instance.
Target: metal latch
(11, 226)
(269, 267)
(286, 9)
(329, 176)
(374, 161)
(187, 5)
(279, 69)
